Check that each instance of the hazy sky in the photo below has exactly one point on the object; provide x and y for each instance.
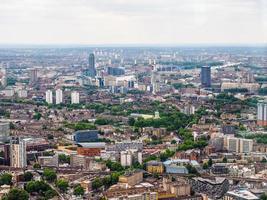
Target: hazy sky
(133, 21)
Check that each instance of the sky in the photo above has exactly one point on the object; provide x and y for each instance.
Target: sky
(93, 22)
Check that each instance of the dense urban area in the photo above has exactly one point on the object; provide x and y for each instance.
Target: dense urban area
(133, 123)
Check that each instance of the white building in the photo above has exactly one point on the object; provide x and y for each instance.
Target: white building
(4, 132)
(22, 93)
(18, 156)
(49, 96)
(238, 145)
(59, 96)
(75, 97)
(126, 158)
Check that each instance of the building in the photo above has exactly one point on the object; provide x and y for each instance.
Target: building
(262, 113)
(131, 178)
(49, 96)
(4, 132)
(126, 158)
(239, 145)
(22, 93)
(240, 195)
(85, 162)
(33, 76)
(75, 97)
(59, 96)
(180, 188)
(90, 149)
(115, 71)
(48, 161)
(4, 77)
(213, 188)
(154, 167)
(86, 136)
(91, 69)
(205, 76)
(18, 156)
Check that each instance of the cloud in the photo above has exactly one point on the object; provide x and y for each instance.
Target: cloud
(133, 21)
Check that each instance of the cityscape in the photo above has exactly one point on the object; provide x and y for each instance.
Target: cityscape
(132, 121)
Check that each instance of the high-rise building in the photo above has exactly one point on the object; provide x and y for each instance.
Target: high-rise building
(4, 132)
(262, 113)
(59, 96)
(18, 155)
(239, 145)
(92, 70)
(33, 76)
(49, 96)
(205, 76)
(75, 97)
(4, 77)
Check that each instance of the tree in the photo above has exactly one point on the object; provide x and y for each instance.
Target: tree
(263, 197)
(49, 194)
(131, 121)
(16, 194)
(62, 185)
(6, 179)
(62, 158)
(78, 190)
(210, 162)
(27, 176)
(36, 166)
(97, 183)
(205, 165)
(224, 160)
(50, 175)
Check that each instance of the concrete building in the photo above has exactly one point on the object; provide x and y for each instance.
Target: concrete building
(91, 66)
(33, 76)
(180, 187)
(48, 161)
(155, 167)
(126, 158)
(22, 93)
(75, 97)
(262, 113)
(49, 96)
(239, 145)
(131, 178)
(205, 76)
(18, 156)
(4, 132)
(59, 96)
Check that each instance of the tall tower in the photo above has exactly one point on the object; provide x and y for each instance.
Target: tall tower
(75, 97)
(49, 96)
(59, 96)
(205, 76)
(262, 113)
(18, 155)
(33, 76)
(92, 70)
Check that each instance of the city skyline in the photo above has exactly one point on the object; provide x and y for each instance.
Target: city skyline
(130, 22)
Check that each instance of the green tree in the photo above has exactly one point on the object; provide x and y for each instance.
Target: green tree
(16, 194)
(78, 190)
(6, 179)
(97, 183)
(36, 166)
(205, 165)
(50, 175)
(27, 176)
(224, 160)
(62, 158)
(210, 162)
(131, 121)
(49, 194)
(62, 185)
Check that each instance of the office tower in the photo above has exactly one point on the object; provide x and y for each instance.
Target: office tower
(18, 155)
(49, 96)
(4, 132)
(59, 96)
(4, 77)
(205, 76)
(33, 76)
(75, 97)
(92, 70)
(262, 113)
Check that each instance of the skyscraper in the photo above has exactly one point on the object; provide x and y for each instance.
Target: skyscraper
(75, 97)
(59, 96)
(262, 113)
(91, 70)
(33, 76)
(49, 96)
(18, 155)
(205, 76)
